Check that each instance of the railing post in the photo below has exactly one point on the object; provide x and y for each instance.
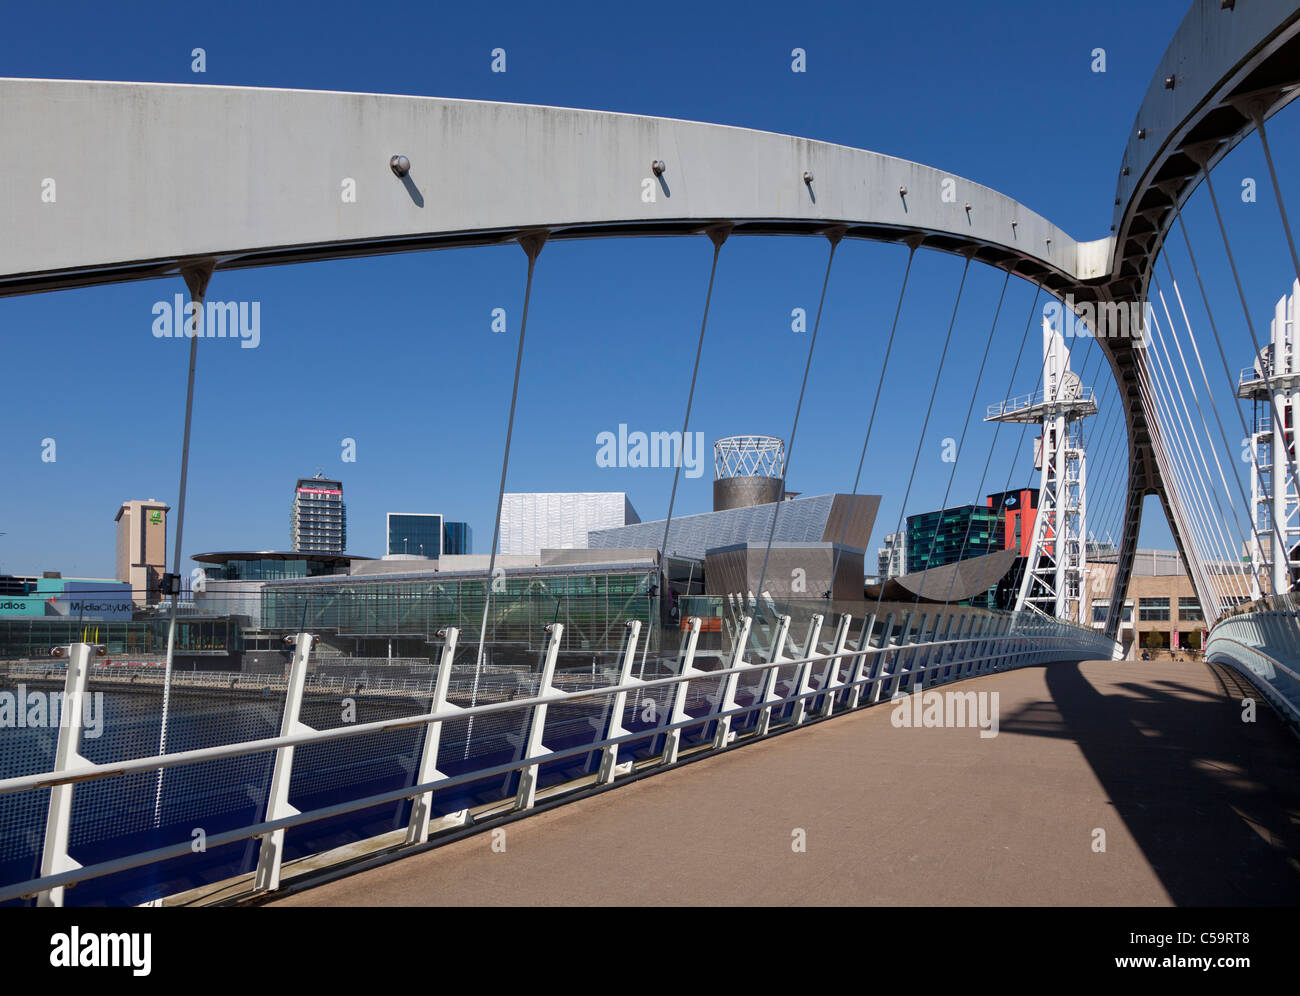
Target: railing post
(880, 659)
(768, 693)
(944, 623)
(831, 675)
(271, 854)
(722, 734)
(532, 746)
(803, 673)
(417, 829)
(954, 657)
(673, 737)
(860, 661)
(898, 662)
(971, 648)
(988, 626)
(921, 657)
(58, 821)
(996, 646)
(609, 766)
(909, 657)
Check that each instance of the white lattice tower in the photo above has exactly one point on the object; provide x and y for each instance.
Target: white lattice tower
(1274, 498)
(1058, 555)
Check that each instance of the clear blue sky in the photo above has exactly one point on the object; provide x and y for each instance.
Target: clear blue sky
(397, 352)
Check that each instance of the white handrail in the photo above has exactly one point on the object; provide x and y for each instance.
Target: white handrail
(988, 650)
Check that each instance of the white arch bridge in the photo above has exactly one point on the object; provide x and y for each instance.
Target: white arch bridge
(156, 180)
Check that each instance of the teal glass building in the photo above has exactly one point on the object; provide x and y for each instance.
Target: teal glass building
(945, 537)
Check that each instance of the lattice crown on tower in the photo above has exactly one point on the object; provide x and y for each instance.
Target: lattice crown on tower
(748, 456)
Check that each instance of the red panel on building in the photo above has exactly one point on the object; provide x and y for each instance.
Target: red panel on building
(1021, 508)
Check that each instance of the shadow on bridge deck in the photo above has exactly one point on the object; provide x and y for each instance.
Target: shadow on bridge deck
(1198, 808)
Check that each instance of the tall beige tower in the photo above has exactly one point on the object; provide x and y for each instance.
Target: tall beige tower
(142, 548)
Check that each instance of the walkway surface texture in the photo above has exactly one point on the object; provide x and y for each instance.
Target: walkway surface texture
(1197, 807)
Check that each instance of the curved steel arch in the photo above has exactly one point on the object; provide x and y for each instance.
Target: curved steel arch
(1226, 64)
(149, 176)
(154, 178)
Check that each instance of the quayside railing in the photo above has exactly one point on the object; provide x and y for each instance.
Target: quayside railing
(634, 723)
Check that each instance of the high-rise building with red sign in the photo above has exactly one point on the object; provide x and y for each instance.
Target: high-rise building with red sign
(319, 522)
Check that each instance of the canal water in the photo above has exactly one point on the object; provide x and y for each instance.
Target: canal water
(123, 815)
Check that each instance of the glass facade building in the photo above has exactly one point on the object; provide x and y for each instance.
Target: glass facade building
(418, 534)
(593, 604)
(938, 538)
(319, 521)
(267, 565)
(457, 538)
(33, 637)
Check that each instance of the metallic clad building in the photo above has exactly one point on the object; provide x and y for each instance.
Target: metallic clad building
(531, 522)
(319, 521)
(744, 492)
(845, 519)
(794, 570)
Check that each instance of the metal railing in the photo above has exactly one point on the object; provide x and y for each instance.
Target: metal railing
(897, 654)
(1262, 640)
(1040, 397)
(1250, 375)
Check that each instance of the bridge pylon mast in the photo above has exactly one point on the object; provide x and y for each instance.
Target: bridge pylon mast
(1058, 556)
(1273, 384)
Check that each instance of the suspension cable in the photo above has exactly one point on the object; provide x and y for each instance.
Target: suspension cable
(1223, 356)
(834, 235)
(1209, 393)
(717, 235)
(197, 281)
(970, 409)
(532, 246)
(1250, 327)
(934, 391)
(912, 245)
(1277, 192)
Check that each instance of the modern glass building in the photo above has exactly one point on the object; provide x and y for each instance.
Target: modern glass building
(207, 637)
(457, 538)
(416, 534)
(271, 565)
(593, 602)
(945, 537)
(319, 521)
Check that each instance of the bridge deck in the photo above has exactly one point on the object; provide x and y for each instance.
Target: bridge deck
(1197, 806)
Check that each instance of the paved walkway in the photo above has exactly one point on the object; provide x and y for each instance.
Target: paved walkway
(1197, 808)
